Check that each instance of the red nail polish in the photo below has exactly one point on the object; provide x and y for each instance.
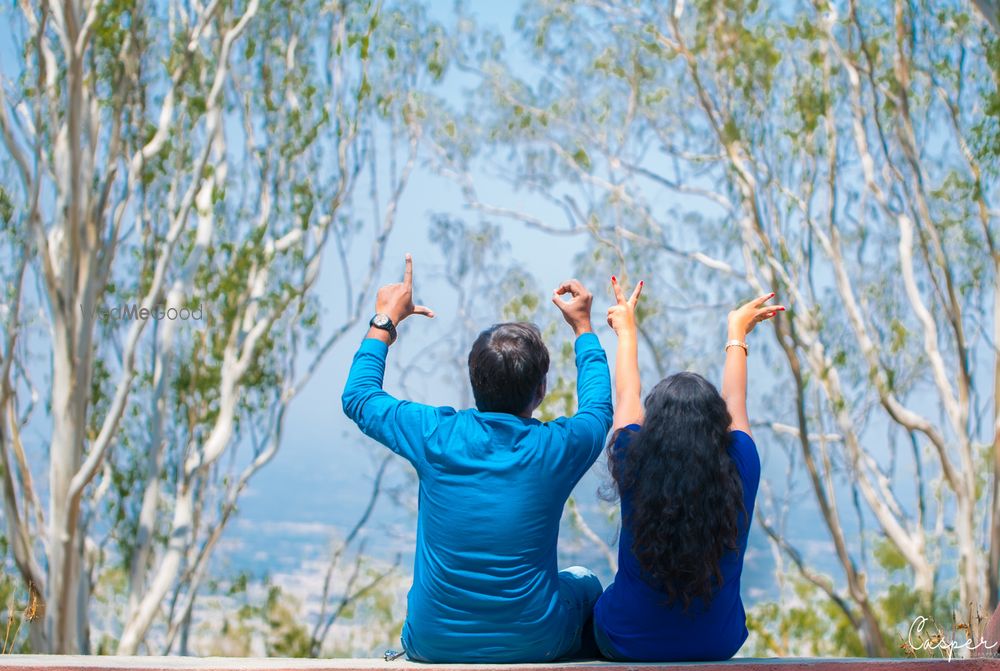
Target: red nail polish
(614, 279)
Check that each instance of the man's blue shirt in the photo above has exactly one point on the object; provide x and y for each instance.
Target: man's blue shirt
(492, 490)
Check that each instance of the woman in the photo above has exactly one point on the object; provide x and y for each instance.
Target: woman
(686, 471)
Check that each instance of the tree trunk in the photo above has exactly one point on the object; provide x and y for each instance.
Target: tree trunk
(62, 612)
(993, 569)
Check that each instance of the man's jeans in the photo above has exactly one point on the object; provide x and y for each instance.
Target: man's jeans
(579, 590)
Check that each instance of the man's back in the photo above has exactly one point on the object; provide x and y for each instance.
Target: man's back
(485, 572)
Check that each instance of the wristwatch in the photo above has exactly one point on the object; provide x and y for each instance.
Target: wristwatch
(382, 321)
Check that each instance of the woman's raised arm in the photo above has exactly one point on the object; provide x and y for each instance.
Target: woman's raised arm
(734, 374)
(628, 389)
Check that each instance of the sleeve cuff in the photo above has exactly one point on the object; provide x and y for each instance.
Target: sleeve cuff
(587, 341)
(373, 346)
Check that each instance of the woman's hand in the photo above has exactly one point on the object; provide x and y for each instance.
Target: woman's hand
(744, 318)
(734, 372)
(628, 388)
(621, 317)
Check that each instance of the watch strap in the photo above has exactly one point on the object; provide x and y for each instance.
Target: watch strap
(384, 324)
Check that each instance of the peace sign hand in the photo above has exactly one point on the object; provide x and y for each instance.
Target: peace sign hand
(621, 317)
(744, 318)
(396, 300)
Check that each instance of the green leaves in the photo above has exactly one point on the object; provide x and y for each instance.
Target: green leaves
(986, 129)
(6, 207)
(811, 104)
(810, 626)
(888, 556)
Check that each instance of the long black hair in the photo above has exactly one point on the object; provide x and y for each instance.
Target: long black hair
(685, 492)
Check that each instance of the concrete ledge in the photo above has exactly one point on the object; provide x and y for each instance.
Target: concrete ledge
(76, 663)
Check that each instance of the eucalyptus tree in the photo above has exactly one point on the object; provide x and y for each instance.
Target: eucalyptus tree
(842, 154)
(174, 176)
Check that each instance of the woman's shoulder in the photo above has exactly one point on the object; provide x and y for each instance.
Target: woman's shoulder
(741, 436)
(744, 452)
(623, 435)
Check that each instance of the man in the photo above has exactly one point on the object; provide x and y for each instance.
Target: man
(493, 482)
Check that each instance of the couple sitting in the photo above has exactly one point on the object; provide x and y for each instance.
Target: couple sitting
(493, 482)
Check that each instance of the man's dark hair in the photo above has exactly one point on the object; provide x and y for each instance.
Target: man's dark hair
(506, 365)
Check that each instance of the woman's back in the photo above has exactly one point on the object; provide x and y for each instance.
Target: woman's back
(687, 480)
(635, 620)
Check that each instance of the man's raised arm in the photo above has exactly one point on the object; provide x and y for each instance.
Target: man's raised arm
(592, 420)
(399, 425)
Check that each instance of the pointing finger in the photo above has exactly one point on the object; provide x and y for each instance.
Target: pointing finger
(408, 273)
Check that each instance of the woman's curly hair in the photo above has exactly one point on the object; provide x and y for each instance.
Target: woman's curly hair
(685, 492)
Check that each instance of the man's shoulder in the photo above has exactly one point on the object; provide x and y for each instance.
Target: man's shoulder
(442, 411)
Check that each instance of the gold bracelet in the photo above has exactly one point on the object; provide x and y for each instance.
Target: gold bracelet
(737, 343)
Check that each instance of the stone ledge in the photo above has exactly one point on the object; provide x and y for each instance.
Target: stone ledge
(94, 663)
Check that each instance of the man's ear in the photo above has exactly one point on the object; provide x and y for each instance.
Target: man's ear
(536, 400)
(540, 392)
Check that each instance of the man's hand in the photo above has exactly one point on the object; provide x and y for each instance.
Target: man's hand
(396, 300)
(621, 317)
(576, 310)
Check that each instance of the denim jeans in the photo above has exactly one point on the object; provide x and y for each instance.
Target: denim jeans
(579, 590)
